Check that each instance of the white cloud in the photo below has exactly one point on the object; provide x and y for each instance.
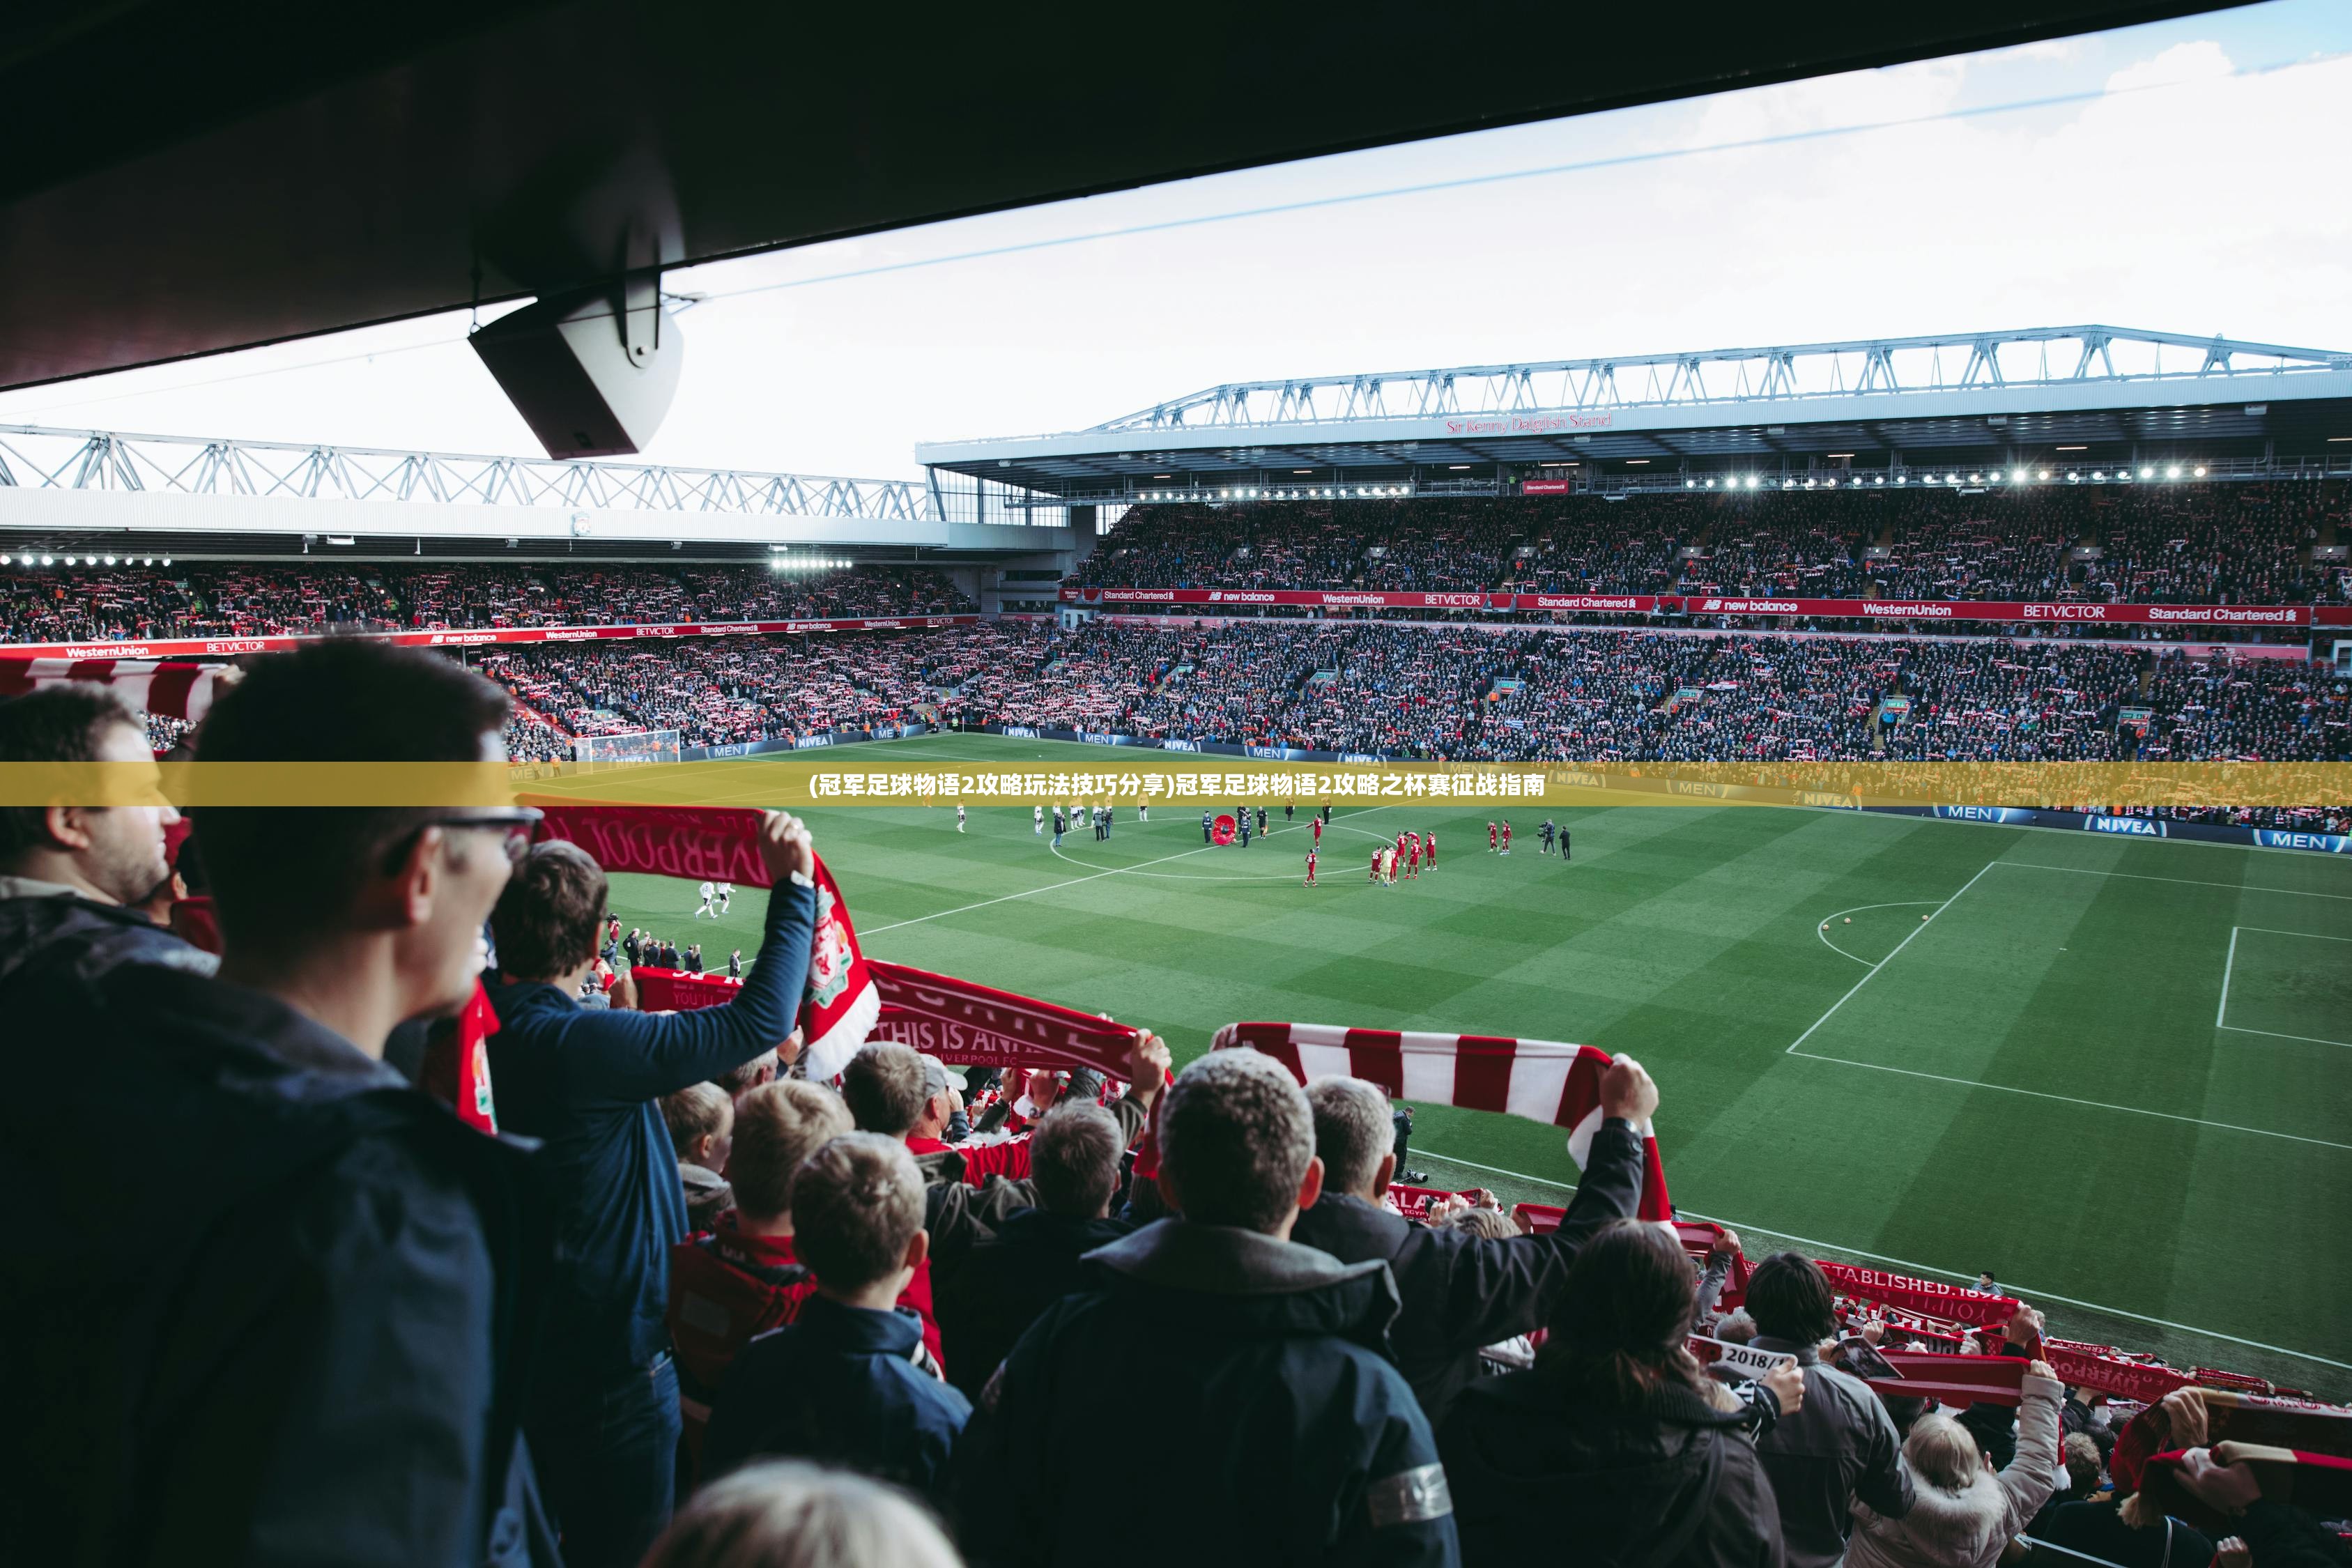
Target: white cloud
(2204, 60)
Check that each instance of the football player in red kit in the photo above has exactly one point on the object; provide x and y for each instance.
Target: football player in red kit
(1429, 846)
(1310, 871)
(1506, 836)
(1317, 823)
(1490, 838)
(1413, 856)
(1376, 862)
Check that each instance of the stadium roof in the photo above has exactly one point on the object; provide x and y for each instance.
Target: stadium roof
(186, 176)
(2111, 393)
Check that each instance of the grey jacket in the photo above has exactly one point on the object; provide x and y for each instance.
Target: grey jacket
(1968, 1528)
(1840, 1444)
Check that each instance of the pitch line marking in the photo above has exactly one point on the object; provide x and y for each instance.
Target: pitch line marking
(1882, 962)
(1821, 931)
(2221, 1013)
(2273, 1034)
(2185, 882)
(2228, 965)
(1051, 886)
(2312, 936)
(2023, 1291)
(2071, 1099)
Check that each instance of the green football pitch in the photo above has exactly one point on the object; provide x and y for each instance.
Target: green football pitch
(2118, 1074)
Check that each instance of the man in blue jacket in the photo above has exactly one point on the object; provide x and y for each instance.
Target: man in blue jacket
(604, 1418)
(1257, 1367)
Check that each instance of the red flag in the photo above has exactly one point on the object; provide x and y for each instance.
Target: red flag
(1542, 1080)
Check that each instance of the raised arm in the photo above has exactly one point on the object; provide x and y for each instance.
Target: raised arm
(640, 1055)
(1499, 1288)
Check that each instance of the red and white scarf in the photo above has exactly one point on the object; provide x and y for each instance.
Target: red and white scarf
(721, 843)
(167, 689)
(1542, 1080)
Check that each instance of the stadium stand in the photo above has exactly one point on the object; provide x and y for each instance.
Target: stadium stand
(50, 606)
(2184, 544)
(1442, 692)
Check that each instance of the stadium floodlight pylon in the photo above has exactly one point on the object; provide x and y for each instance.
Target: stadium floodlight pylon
(602, 754)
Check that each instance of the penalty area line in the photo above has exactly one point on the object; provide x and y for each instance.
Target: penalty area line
(2024, 1292)
(1073, 881)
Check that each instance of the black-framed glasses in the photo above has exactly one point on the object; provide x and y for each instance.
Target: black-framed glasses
(517, 826)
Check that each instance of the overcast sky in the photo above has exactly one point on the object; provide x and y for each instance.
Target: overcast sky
(2187, 177)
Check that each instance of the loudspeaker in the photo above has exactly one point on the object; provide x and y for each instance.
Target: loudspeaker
(592, 373)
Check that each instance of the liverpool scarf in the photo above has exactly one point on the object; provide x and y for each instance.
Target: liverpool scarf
(1540, 1079)
(1948, 1303)
(721, 843)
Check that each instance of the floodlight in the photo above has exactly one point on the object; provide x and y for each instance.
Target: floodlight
(2200, 470)
(49, 560)
(2173, 472)
(2073, 478)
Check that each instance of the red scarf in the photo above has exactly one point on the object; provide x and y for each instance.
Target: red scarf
(1937, 1301)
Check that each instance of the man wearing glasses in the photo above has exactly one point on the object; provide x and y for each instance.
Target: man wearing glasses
(604, 1416)
(315, 1349)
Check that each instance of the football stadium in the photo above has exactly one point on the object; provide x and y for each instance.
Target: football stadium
(1746, 951)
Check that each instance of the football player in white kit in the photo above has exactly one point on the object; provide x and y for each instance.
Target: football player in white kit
(725, 896)
(959, 817)
(709, 891)
(1037, 820)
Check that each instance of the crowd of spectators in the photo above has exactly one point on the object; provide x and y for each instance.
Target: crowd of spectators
(730, 1297)
(1627, 695)
(202, 600)
(2163, 544)
(1438, 692)
(729, 690)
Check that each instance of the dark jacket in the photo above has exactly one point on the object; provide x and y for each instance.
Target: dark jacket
(840, 1386)
(1838, 1445)
(2097, 1529)
(1005, 1281)
(960, 1214)
(60, 935)
(1539, 1477)
(1254, 1373)
(1463, 1291)
(302, 1337)
(586, 1084)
